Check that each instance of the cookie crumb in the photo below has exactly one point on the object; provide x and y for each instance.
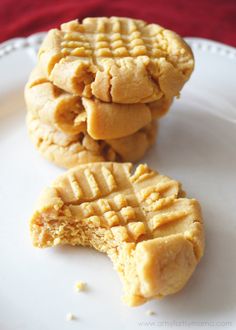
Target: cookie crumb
(70, 317)
(80, 286)
(149, 312)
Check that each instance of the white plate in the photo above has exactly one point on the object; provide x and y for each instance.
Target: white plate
(196, 145)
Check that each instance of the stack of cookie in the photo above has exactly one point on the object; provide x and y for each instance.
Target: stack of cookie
(100, 86)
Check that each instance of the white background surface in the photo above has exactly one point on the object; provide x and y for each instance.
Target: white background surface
(196, 145)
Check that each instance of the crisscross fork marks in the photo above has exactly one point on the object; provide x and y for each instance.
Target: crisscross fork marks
(113, 38)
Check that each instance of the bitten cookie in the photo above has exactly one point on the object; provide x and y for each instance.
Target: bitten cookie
(152, 233)
(70, 150)
(119, 60)
(73, 114)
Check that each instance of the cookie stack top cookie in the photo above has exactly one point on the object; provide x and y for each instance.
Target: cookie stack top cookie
(118, 60)
(111, 76)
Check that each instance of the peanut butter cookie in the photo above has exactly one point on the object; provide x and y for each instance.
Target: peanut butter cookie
(68, 150)
(119, 60)
(152, 233)
(73, 114)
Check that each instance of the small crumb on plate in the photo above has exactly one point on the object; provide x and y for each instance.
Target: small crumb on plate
(70, 317)
(149, 312)
(80, 286)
